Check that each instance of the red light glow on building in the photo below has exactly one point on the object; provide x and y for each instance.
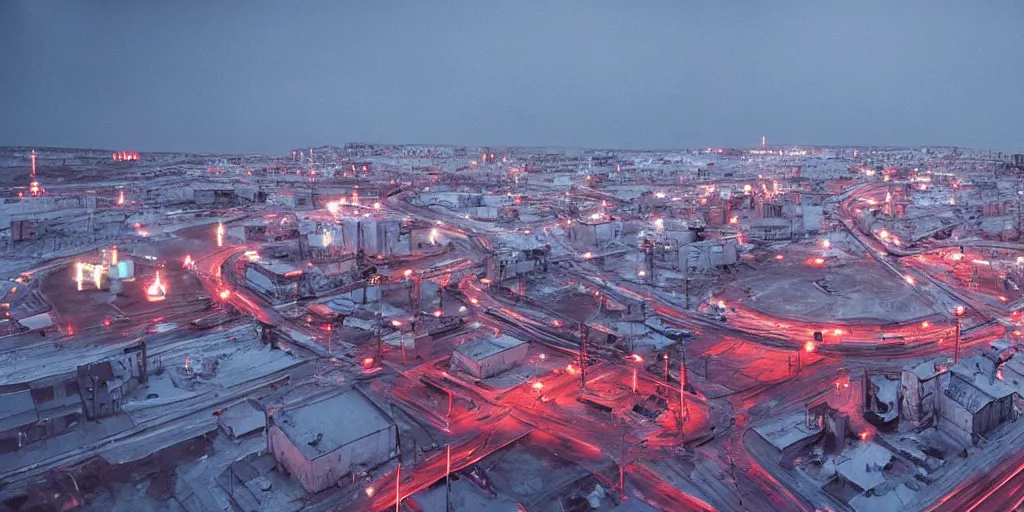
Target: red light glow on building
(125, 156)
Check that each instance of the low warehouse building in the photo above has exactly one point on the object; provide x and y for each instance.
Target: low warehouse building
(976, 400)
(489, 356)
(323, 442)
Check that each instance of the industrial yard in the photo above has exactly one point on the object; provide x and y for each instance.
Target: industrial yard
(445, 328)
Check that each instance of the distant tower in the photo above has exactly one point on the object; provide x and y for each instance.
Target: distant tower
(34, 188)
(762, 142)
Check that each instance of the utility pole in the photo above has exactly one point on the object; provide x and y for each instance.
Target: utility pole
(958, 312)
(622, 461)
(398, 486)
(684, 411)
(583, 356)
(448, 482)
(682, 372)
(380, 327)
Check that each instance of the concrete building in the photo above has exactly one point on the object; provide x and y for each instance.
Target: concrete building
(31, 412)
(976, 400)
(277, 281)
(594, 232)
(708, 254)
(509, 264)
(376, 237)
(489, 356)
(772, 228)
(323, 442)
(105, 385)
(920, 389)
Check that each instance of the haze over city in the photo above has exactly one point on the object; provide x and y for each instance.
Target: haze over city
(249, 78)
(557, 257)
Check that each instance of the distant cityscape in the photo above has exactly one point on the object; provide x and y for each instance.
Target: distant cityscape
(375, 327)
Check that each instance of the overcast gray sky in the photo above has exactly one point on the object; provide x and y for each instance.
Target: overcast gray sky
(243, 76)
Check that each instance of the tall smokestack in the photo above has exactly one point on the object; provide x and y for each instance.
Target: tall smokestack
(33, 164)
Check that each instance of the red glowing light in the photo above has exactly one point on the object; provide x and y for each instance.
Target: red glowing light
(396, 323)
(407, 273)
(838, 332)
(368, 362)
(780, 257)
(925, 325)
(156, 290)
(538, 386)
(224, 294)
(959, 311)
(474, 301)
(293, 273)
(106, 322)
(438, 313)
(809, 346)
(636, 358)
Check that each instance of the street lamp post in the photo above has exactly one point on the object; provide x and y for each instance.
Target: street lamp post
(583, 357)
(330, 332)
(958, 312)
(448, 481)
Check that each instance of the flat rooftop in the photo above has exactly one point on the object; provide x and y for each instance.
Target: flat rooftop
(277, 267)
(488, 346)
(342, 420)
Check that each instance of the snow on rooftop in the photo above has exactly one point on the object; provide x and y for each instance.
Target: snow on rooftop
(786, 431)
(862, 465)
(340, 420)
(488, 346)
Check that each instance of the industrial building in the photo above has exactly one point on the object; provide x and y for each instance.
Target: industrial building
(320, 443)
(277, 281)
(490, 355)
(976, 401)
(921, 387)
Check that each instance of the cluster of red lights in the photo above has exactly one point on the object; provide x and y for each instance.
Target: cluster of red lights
(125, 156)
